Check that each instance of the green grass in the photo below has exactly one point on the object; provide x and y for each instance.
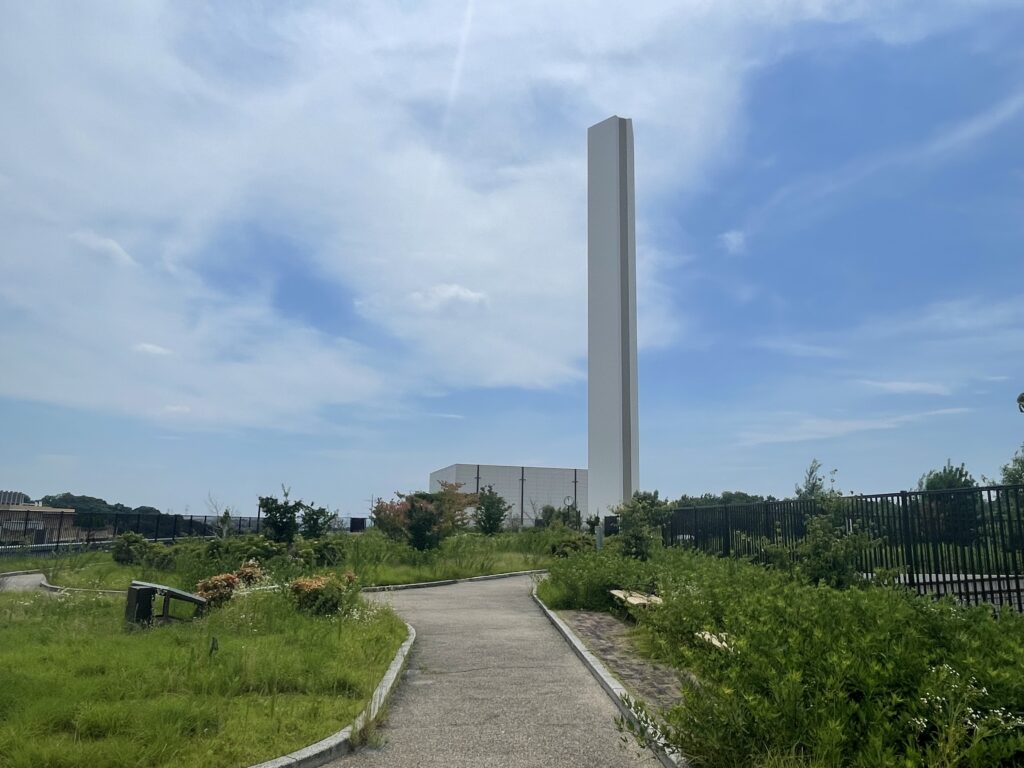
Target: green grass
(374, 559)
(78, 688)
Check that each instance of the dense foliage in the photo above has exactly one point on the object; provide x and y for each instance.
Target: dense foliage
(815, 676)
(491, 510)
(424, 519)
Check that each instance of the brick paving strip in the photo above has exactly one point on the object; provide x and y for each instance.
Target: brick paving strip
(490, 682)
(609, 638)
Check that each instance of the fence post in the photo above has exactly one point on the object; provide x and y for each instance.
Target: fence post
(60, 526)
(24, 533)
(727, 533)
(908, 542)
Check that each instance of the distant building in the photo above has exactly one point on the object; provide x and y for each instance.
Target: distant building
(526, 489)
(23, 521)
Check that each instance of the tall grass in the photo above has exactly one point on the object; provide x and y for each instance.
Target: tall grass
(251, 681)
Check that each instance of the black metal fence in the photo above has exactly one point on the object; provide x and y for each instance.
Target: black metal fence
(42, 531)
(968, 543)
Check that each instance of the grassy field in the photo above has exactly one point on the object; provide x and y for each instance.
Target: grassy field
(78, 688)
(375, 561)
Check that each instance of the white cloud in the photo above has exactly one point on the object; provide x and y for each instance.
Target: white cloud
(445, 295)
(787, 430)
(103, 245)
(151, 349)
(733, 242)
(908, 387)
(402, 146)
(796, 348)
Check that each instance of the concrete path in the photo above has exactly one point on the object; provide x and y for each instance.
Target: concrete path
(491, 683)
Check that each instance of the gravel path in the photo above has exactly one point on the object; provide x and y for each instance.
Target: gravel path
(491, 683)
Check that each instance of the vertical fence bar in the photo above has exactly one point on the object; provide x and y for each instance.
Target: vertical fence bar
(905, 537)
(60, 527)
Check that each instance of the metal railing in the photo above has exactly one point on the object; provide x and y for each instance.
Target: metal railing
(968, 543)
(38, 531)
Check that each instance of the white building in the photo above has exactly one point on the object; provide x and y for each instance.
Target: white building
(527, 489)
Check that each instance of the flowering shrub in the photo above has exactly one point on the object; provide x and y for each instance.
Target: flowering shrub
(326, 595)
(217, 590)
(250, 573)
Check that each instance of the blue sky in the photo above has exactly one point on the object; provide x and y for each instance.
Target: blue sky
(340, 247)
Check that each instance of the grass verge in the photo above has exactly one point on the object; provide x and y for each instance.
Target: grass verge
(81, 689)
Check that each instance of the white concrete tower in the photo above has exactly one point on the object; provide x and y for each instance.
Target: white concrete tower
(613, 464)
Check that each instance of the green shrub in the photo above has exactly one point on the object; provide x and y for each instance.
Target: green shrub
(326, 595)
(816, 676)
(585, 580)
(128, 548)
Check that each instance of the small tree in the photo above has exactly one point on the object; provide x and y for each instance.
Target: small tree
(424, 519)
(280, 518)
(316, 521)
(955, 515)
(1012, 473)
(491, 510)
(639, 521)
(947, 478)
(392, 518)
(451, 505)
(813, 486)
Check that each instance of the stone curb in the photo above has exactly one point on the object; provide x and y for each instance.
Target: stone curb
(47, 586)
(447, 582)
(615, 690)
(340, 743)
(382, 588)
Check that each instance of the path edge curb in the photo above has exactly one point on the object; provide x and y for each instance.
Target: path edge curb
(447, 582)
(611, 686)
(340, 743)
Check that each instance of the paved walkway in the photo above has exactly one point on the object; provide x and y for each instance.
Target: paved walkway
(491, 683)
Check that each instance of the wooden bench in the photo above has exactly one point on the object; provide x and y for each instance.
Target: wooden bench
(630, 598)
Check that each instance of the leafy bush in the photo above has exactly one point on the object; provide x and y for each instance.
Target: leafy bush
(280, 518)
(815, 676)
(217, 590)
(491, 510)
(585, 580)
(424, 519)
(640, 520)
(326, 595)
(316, 521)
(128, 548)
(133, 548)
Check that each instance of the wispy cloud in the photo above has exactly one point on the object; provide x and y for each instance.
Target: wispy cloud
(103, 245)
(151, 349)
(802, 195)
(795, 348)
(441, 296)
(821, 428)
(907, 387)
(733, 242)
